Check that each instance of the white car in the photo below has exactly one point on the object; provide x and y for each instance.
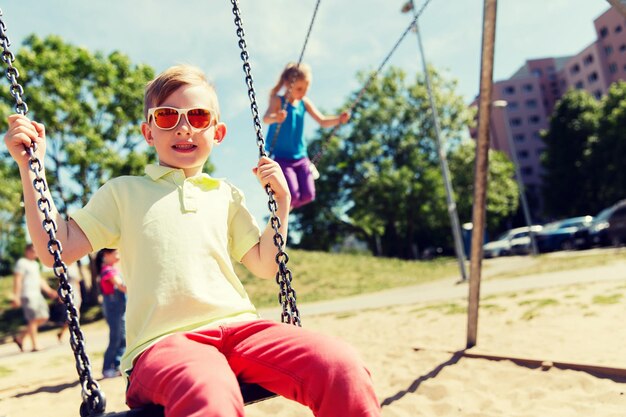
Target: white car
(510, 242)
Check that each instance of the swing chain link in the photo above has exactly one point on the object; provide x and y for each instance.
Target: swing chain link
(286, 295)
(94, 402)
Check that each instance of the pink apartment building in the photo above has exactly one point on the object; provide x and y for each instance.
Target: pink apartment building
(532, 92)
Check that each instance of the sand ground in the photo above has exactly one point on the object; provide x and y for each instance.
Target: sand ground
(568, 316)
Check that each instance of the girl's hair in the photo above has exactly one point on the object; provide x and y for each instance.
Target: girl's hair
(292, 72)
(100, 258)
(171, 80)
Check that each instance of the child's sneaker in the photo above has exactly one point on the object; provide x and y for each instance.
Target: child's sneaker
(111, 373)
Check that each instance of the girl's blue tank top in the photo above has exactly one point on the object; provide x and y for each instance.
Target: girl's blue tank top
(290, 142)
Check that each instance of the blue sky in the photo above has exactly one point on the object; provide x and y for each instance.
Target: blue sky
(348, 36)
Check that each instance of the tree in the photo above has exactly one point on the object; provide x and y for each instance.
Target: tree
(569, 143)
(92, 107)
(502, 191)
(381, 178)
(608, 152)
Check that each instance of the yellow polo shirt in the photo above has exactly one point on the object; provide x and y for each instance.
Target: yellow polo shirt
(176, 238)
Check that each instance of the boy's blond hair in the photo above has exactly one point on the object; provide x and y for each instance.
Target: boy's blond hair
(171, 80)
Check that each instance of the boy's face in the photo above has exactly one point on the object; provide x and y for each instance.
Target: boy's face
(183, 146)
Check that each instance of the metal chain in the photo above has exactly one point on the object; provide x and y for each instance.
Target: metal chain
(94, 402)
(293, 78)
(316, 158)
(287, 295)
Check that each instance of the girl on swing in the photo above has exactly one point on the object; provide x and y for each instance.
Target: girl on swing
(191, 329)
(289, 147)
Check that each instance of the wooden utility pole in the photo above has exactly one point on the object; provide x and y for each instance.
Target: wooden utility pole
(481, 167)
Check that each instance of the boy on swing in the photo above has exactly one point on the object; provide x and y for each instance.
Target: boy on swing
(191, 328)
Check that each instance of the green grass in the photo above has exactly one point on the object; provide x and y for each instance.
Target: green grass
(536, 305)
(4, 371)
(323, 276)
(607, 299)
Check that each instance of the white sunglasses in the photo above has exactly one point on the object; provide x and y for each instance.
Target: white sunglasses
(167, 118)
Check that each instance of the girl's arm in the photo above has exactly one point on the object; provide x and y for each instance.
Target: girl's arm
(321, 119)
(260, 259)
(274, 113)
(118, 283)
(22, 132)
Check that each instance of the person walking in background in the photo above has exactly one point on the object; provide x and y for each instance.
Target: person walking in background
(114, 306)
(27, 290)
(74, 279)
(289, 147)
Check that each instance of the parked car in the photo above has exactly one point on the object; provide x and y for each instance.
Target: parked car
(502, 245)
(521, 243)
(560, 235)
(607, 228)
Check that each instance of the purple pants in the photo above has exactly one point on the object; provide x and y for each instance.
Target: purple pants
(195, 374)
(299, 179)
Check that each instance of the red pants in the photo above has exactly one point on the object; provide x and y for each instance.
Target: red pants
(195, 374)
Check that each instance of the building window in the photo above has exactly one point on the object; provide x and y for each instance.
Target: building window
(531, 104)
(519, 137)
(522, 154)
(513, 105)
(593, 77)
(603, 32)
(516, 121)
(580, 85)
(575, 69)
(526, 171)
(622, 47)
(618, 28)
(588, 59)
(537, 72)
(537, 135)
(597, 94)
(534, 119)
(509, 89)
(613, 68)
(527, 87)
(608, 50)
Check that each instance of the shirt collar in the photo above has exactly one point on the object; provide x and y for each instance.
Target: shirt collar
(156, 172)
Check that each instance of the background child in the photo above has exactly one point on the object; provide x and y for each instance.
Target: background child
(192, 331)
(28, 286)
(289, 148)
(114, 306)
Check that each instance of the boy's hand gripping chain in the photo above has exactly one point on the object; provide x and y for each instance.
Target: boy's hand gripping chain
(287, 295)
(94, 402)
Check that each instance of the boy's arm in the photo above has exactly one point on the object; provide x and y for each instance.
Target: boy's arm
(274, 113)
(261, 258)
(321, 119)
(22, 132)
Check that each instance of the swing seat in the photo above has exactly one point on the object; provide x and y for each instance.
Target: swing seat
(251, 393)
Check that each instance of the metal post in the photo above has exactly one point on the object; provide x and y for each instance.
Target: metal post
(481, 167)
(452, 212)
(502, 104)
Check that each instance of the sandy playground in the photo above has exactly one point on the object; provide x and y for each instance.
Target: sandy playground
(409, 348)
